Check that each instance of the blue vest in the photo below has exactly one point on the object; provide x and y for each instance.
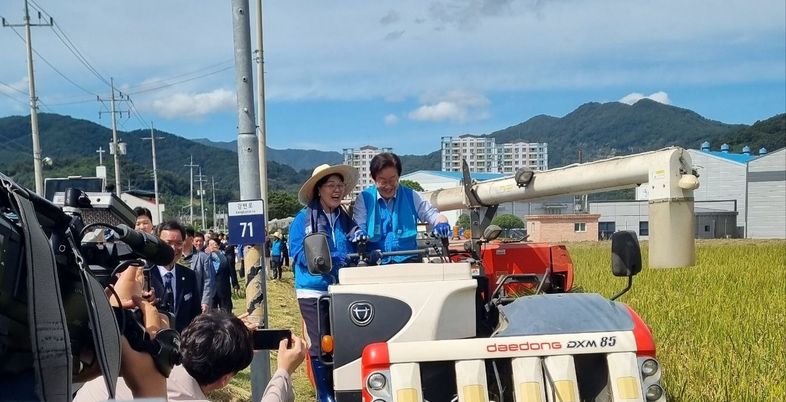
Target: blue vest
(391, 230)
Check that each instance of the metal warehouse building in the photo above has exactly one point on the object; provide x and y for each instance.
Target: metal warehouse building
(766, 196)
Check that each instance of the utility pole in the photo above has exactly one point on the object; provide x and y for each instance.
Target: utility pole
(247, 145)
(38, 168)
(191, 167)
(249, 171)
(153, 139)
(213, 181)
(202, 197)
(116, 148)
(262, 135)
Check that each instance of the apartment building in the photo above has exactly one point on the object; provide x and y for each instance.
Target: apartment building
(484, 155)
(361, 158)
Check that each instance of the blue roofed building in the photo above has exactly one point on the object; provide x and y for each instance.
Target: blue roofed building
(722, 188)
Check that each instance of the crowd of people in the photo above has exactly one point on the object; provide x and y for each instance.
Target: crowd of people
(195, 289)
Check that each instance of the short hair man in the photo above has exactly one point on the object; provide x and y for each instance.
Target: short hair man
(175, 285)
(199, 241)
(199, 262)
(388, 212)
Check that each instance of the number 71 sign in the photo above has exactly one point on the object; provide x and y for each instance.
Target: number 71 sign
(246, 222)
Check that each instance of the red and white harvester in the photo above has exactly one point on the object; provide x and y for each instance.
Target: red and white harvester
(449, 329)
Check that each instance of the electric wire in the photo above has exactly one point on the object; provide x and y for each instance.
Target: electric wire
(70, 45)
(143, 87)
(52, 66)
(14, 89)
(169, 84)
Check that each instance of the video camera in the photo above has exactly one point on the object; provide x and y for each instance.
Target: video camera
(52, 301)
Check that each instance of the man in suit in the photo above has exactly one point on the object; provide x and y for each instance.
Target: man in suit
(175, 285)
(226, 277)
(199, 262)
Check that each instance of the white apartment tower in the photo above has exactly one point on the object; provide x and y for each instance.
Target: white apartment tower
(360, 159)
(480, 153)
(484, 155)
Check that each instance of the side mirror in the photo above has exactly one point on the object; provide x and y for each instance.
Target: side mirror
(317, 251)
(625, 254)
(492, 232)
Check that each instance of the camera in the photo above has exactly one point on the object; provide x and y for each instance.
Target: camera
(53, 270)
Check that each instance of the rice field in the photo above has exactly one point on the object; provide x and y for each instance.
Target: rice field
(719, 326)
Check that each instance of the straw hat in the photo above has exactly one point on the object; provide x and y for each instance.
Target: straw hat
(349, 174)
(277, 234)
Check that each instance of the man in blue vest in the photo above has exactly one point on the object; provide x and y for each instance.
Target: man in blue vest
(388, 213)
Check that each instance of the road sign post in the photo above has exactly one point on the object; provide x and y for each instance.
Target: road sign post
(246, 226)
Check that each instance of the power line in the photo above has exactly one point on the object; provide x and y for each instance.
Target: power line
(71, 46)
(166, 85)
(53, 67)
(142, 87)
(14, 89)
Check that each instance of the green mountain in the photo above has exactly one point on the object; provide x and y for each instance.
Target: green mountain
(72, 145)
(608, 129)
(298, 159)
(597, 130)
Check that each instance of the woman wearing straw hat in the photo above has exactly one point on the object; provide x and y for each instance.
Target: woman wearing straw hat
(321, 194)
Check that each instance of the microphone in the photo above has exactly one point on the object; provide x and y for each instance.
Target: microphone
(145, 245)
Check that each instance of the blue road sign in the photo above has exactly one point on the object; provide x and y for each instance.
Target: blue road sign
(247, 222)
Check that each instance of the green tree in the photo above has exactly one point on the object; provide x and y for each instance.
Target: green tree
(282, 204)
(463, 221)
(412, 184)
(508, 221)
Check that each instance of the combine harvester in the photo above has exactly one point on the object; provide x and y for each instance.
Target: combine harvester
(448, 330)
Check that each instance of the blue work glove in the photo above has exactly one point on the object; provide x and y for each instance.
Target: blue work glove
(358, 235)
(339, 259)
(442, 230)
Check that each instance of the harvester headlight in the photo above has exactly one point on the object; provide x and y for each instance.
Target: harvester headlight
(654, 392)
(376, 381)
(649, 367)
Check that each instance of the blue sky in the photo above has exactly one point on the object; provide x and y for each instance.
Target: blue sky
(400, 73)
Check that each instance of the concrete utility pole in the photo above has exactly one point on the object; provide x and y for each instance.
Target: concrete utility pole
(153, 139)
(213, 183)
(191, 167)
(202, 197)
(262, 135)
(116, 148)
(247, 155)
(249, 170)
(37, 165)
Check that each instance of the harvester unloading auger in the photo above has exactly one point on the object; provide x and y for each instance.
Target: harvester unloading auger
(447, 330)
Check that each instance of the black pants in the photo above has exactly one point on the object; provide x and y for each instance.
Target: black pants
(223, 302)
(308, 310)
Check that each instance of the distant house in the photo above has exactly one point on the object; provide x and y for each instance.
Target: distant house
(562, 228)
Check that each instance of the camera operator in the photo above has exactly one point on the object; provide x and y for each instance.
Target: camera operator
(215, 347)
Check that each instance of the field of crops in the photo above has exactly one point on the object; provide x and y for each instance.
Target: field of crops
(719, 326)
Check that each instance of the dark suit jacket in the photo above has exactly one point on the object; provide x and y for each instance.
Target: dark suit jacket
(186, 294)
(226, 277)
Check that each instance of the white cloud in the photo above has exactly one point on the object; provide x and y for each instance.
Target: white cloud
(660, 96)
(194, 105)
(456, 106)
(391, 119)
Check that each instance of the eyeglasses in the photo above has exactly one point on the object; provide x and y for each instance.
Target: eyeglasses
(335, 186)
(384, 181)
